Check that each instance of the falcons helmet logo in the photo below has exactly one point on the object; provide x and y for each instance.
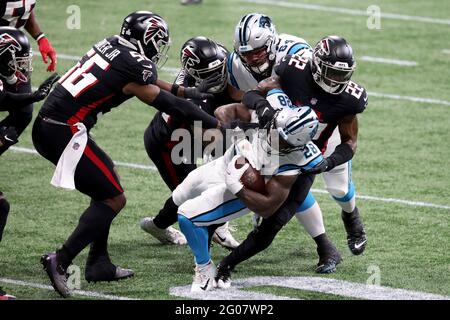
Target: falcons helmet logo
(189, 58)
(156, 29)
(7, 42)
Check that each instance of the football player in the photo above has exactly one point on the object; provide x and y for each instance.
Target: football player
(258, 48)
(324, 83)
(113, 71)
(214, 193)
(20, 15)
(200, 58)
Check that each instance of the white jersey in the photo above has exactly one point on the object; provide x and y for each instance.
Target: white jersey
(241, 78)
(203, 197)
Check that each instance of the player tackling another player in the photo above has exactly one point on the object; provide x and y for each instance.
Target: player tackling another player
(214, 193)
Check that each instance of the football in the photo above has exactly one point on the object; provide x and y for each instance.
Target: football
(252, 178)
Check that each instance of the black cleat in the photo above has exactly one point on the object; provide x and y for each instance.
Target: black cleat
(102, 269)
(223, 277)
(329, 258)
(356, 235)
(4, 296)
(57, 273)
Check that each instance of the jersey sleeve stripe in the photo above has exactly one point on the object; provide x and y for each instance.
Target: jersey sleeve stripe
(297, 47)
(230, 70)
(274, 91)
(313, 162)
(223, 210)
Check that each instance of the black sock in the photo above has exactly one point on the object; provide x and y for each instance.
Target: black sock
(99, 248)
(256, 242)
(322, 241)
(4, 210)
(96, 218)
(167, 216)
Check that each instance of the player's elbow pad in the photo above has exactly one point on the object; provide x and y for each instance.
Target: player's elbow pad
(183, 109)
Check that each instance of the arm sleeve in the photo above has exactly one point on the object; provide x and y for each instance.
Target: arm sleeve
(341, 154)
(183, 109)
(17, 100)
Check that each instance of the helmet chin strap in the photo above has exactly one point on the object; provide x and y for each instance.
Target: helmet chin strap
(11, 79)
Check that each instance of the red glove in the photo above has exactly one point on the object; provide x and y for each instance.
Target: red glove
(47, 50)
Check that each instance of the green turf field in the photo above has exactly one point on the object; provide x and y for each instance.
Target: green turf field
(402, 155)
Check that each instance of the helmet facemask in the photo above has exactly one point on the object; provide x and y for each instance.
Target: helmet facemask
(215, 67)
(17, 67)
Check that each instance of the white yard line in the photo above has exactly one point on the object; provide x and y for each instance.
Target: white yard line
(371, 198)
(446, 51)
(408, 98)
(316, 7)
(91, 294)
(389, 61)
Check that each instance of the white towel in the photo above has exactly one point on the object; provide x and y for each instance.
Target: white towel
(64, 175)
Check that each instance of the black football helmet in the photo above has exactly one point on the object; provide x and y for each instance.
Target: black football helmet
(149, 33)
(332, 64)
(202, 57)
(15, 55)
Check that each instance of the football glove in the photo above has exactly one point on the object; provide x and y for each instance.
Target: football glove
(47, 50)
(200, 92)
(265, 113)
(322, 166)
(233, 175)
(8, 136)
(45, 87)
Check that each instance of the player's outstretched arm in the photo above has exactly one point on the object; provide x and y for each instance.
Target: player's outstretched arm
(170, 104)
(348, 129)
(233, 111)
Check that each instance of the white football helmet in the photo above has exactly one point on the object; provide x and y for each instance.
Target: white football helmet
(297, 126)
(255, 39)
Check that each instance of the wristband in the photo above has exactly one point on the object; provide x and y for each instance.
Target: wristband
(174, 89)
(40, 36)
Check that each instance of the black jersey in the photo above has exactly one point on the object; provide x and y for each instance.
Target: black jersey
(15, 13)
(94, 85)
(297, 82)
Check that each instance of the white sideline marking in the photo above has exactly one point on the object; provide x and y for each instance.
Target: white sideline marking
(90, 294)
(153, 168)
(62, 56)
(316, 284)
(389, 61)
(306, 6)
(446, 51)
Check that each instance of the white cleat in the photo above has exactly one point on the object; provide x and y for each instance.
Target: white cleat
(223, 236)
(204, 278)
(165, 236)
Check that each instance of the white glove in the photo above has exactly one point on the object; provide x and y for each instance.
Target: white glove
(233, 175)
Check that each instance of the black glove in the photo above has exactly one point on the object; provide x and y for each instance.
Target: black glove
(8, 136)
(322, 166)
(265, 113)
(44, 89)
(200, 92)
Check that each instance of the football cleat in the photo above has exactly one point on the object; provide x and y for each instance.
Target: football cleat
(223, 277)
(204, 278)
(165, 236)
(4, 296)
(356, 235)
(329, 258)
(103, 270)
(223, 237)
(56, 273)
